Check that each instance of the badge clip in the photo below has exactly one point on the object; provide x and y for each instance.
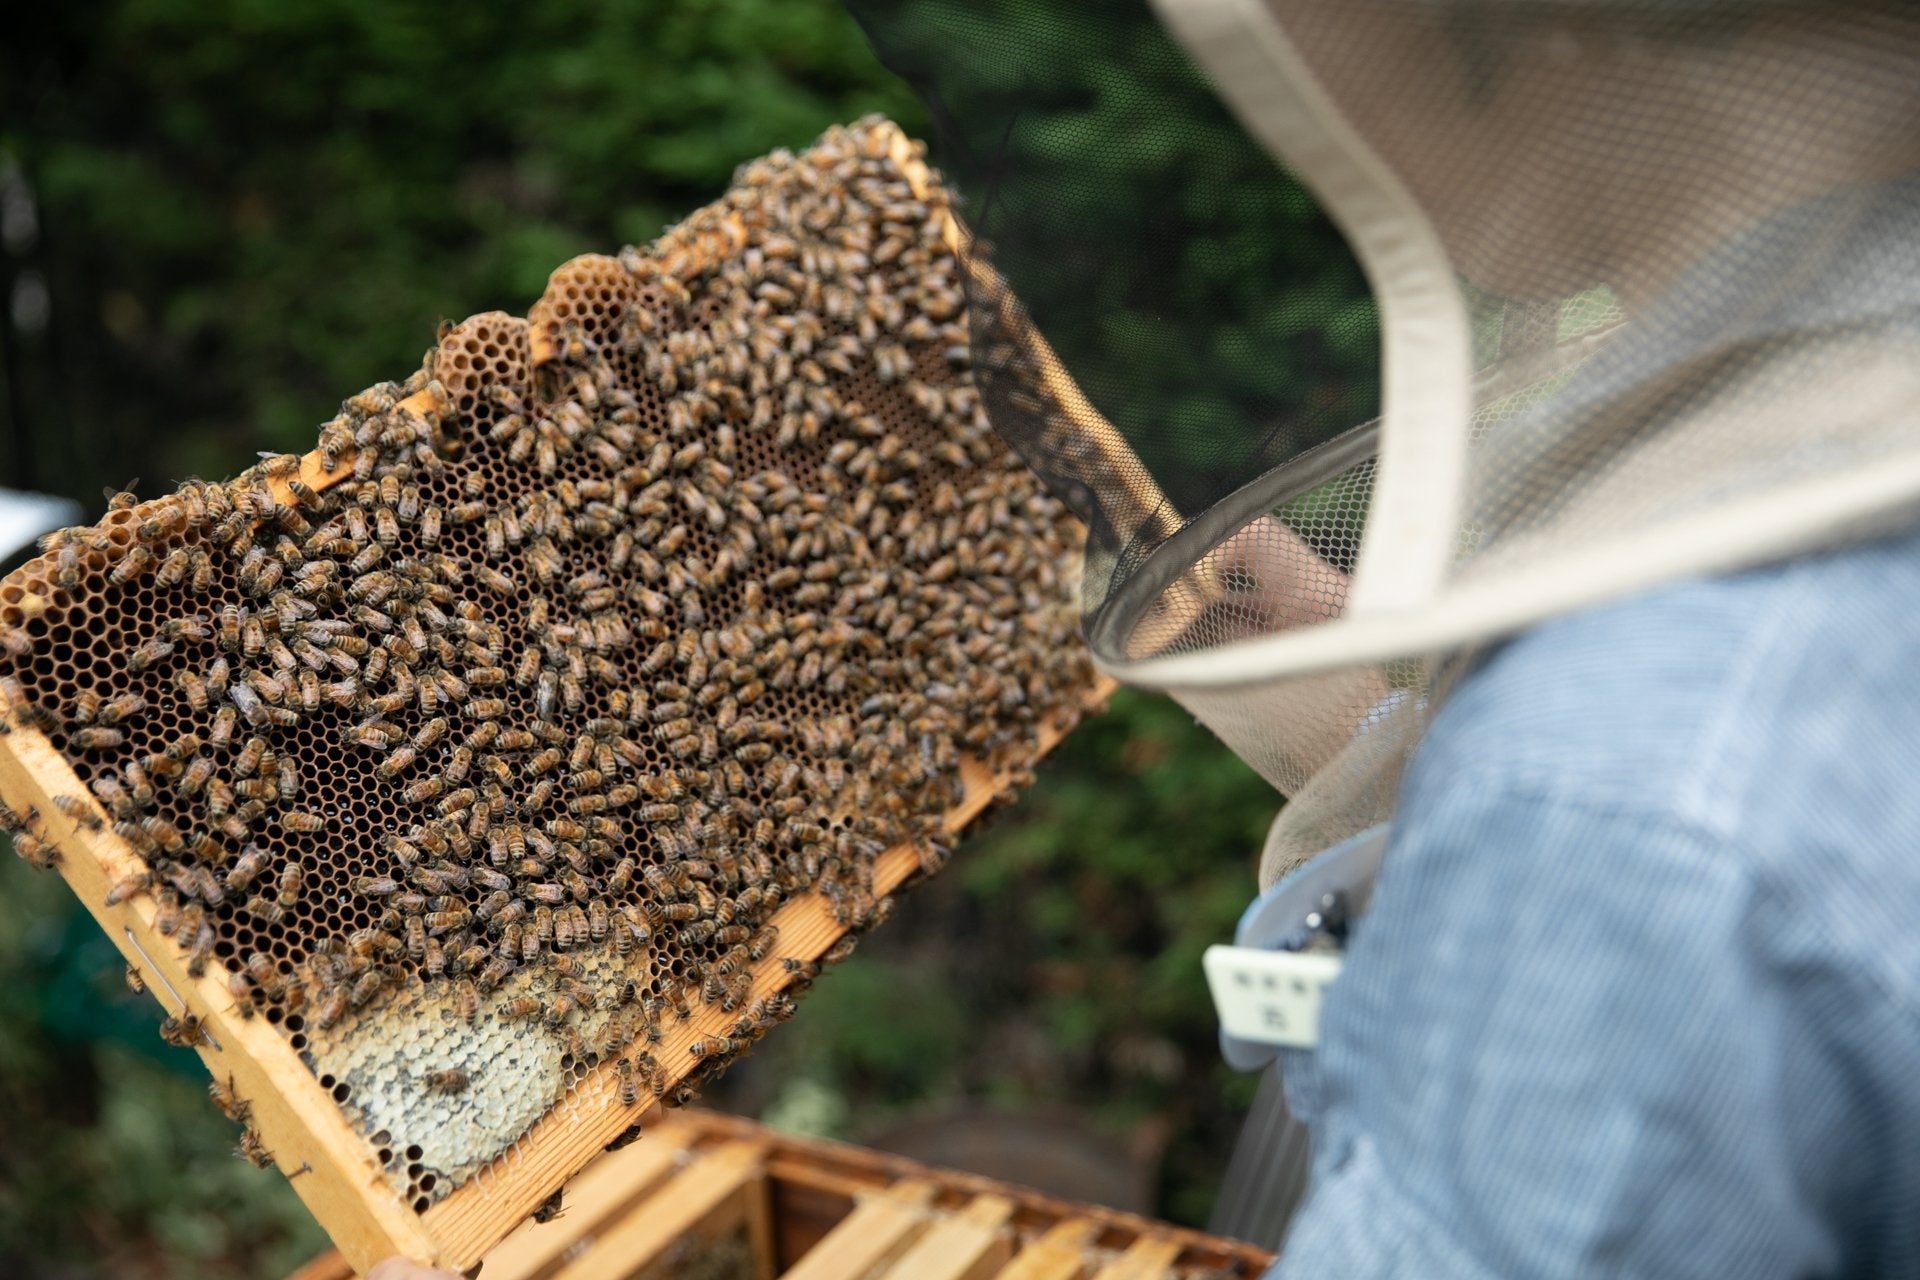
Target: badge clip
(1267, 987)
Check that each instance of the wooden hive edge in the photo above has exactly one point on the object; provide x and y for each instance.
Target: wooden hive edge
(895, 1200)
(612, 1187)
(714, 1192)
(853, 1170)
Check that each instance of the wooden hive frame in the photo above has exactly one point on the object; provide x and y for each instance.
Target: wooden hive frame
(335, 1170)
(807, 1209)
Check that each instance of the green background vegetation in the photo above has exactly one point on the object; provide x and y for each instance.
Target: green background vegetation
(243, 211)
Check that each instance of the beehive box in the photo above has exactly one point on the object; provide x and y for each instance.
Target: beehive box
(719, 1198)
(516, 757)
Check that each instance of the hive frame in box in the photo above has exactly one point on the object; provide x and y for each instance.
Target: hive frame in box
(333, 1168)
(807, 1209)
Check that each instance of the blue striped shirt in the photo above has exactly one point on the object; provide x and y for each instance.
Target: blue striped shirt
(1639, 990)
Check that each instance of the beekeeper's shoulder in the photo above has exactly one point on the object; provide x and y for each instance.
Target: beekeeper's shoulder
(1698, 699)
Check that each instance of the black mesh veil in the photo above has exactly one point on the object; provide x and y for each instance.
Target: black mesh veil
(1210, 322)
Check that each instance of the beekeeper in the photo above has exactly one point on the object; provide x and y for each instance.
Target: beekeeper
(1600, 642)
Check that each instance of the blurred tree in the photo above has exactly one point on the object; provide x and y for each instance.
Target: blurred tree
(221, 218)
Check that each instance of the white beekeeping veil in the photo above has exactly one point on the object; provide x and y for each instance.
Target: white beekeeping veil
(1645, 287)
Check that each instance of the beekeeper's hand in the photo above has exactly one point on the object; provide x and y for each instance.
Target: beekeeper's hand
(1262, 579)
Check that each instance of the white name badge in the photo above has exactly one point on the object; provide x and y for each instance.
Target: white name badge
(1270, 997)
(1267, 986)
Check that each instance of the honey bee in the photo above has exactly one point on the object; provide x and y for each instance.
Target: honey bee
(181, 1032)
(302, 820)
(78, 811)
(253, 630)
(95, 738)
(200, 949)
(423, 791)
(253, 1150)
(495, 973)
(439, 922)
(398, 761)
(33, 849)
(331, 1007)
(366, 987)
(636, 933)
(303, 493)
(163, 834)
(256, 789)
(570, 926)
(137, 561)
(447, 1080)
(520, 1007)
(247, 763)
(415, 937)
(457, 800)
(469, 959)
(442, 879)
(308, 688)
(194, 778)
(260, 968)
(467, 512)
(67, 565)
(120, 890)
(459, 764)
(549, 1209)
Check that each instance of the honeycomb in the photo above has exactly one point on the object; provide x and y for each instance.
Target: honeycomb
(487, 741)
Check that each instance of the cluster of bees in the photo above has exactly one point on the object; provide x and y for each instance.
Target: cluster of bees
(602, 656)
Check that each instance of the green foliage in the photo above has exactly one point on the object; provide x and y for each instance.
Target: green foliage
(249, 210)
